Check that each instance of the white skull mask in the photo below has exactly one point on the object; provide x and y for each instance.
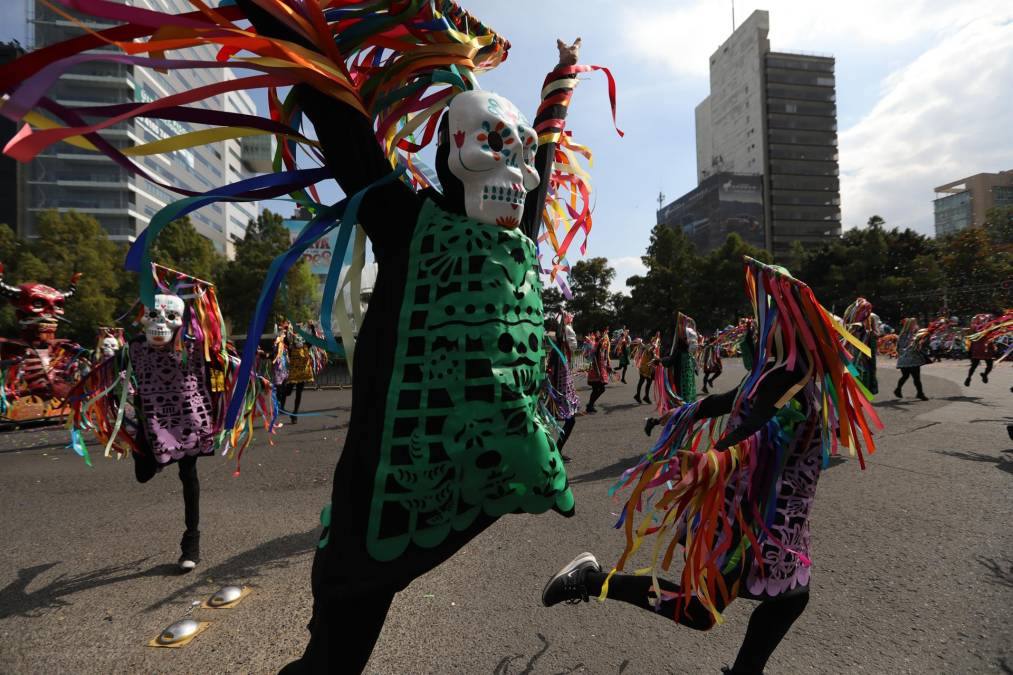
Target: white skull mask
(163, 320)
(109, 346)
(492, 153)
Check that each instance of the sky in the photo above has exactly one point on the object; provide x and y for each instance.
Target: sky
(922, 91)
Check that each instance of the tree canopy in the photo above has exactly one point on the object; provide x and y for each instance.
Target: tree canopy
(902, 272)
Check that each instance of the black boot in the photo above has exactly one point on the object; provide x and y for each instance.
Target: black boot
(190, 546)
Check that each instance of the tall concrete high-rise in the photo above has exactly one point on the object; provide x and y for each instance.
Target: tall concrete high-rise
(963, 203)
(66, 178)
(772, 116)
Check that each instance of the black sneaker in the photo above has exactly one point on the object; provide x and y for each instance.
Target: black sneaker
(568, 585)
(922, 397)
(566, 460)
(1009, 430)
(649, 424)
(967, 382)
(637, 399)
(896, 392)
(984, 378)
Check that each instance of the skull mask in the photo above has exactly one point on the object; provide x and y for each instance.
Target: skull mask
(493, 155)
(109, 346)
(163, 320)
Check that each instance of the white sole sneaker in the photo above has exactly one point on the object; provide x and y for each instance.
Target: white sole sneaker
(583, 560)
(187, 565)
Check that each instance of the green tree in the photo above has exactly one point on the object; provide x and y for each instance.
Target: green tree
(242, 278)
(180, 247)
(720, 298)
(552, 300)
(68, 243)
(999, 225)
(591, 303)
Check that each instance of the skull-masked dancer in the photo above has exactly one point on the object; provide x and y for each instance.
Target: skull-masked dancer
(675, 377)
(733, 478)
(912, 354)
(563, 401)
(599, 369)
(979, 348)
(646, 356)
(445, 434)
(865, 325)
(161, 396)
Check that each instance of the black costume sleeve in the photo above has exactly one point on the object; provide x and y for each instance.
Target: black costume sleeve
(764, 405)
(350, 149)
(534, 202)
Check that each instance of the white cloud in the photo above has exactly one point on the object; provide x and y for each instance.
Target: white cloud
(625, 267)
(946, 115)
(683, 37)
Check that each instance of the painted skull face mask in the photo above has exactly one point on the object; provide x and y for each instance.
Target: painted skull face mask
(163, 320)
(492, 153)
(109, 346)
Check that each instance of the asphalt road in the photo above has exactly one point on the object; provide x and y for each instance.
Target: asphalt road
(913, 558)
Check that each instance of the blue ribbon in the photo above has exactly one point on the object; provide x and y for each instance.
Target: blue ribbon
(344, 214)
(265, 187)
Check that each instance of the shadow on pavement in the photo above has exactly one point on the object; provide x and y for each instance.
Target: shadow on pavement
(611, 472)
(15, 601)
(1001, 570)
(1002, 463)
(242, 567)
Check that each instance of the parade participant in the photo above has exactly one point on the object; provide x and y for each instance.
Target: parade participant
(733, 479)
(860, 320)
(675, 379)
(599, 370)
(623, 348)
(710, 355)
(40, 368)
(980, 349)
(911, 356)
(300, 373)
(110, 340)
(445, 434)
(161, 396)
(647, 359)
(563, 399)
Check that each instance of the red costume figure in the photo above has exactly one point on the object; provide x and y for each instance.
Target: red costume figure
(39, 369)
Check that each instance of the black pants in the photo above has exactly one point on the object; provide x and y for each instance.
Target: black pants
(287, 389)
(708, 380)
(974, 366)
(647, 393)
(597, 389)
(145, 467)
(622, 375)
(915, 373)
(768, 624)
(565, 436)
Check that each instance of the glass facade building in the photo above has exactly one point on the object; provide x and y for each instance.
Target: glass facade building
(64, 177)
(721, 205)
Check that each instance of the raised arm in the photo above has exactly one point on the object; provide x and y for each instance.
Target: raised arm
(777, 382)
(549, 123)
(349, 147)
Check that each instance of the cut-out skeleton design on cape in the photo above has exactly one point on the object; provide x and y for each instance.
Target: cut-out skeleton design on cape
(445, 434)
